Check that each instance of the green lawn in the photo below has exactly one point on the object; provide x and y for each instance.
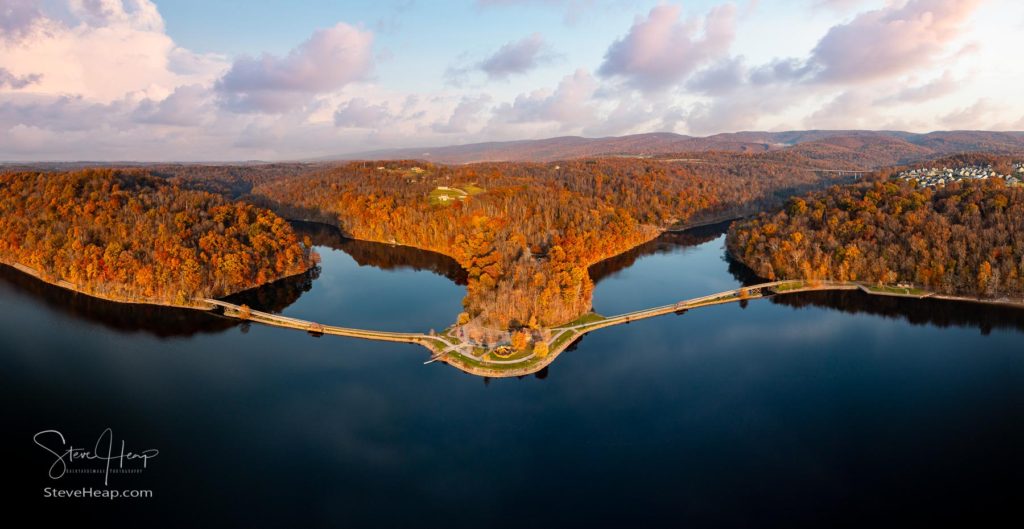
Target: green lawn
(472, 362)
(450, 195)
(792, 285)
(474, 189)
(561, 340)
(517, 355)
(590, 317)
(886, 289)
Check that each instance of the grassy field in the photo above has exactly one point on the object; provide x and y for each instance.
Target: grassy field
(445, 196)
(793, 285)
(885, 289)
(590, 317)
(561, 340)
(474, 363)
(517, 355)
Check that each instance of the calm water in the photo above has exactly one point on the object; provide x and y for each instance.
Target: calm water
(835, 409)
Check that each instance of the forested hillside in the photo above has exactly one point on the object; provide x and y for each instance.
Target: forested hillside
(131, 237)
(868, 149)
(527, 232)
(966, 238)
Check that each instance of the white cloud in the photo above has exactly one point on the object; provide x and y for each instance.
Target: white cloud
(359, 113)
(330, 59)
(516, 57)
(101, 79)
(568, 105)
(7, 79)
(662, 49)
(465, 115)
(106, 50)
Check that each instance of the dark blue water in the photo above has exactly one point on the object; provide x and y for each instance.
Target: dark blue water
(838, 409)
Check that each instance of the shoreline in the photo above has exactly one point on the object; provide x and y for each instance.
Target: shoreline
(450, 350)
(569, 334)
(71, 287)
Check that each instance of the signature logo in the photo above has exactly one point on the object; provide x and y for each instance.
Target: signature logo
(102, 458)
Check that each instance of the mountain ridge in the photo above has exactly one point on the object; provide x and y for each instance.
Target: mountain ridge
(866, 148)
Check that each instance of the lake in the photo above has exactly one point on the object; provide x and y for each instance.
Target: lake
(832, 408)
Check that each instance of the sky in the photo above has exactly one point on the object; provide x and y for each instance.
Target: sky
(208, 80)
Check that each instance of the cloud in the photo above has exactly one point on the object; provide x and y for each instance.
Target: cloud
(140, 14)
(17, 17)
(850, 109)
(569, 104)
(8, 79)
(933, 89)
(103, 50)
(360, 113)
(464, 115)
(893, 40)
(983, 114)
(780, 70)
(856, 66)
(625, 116)
(516, 57)
(661, 50)
(61, 114)
(185, 107)
(574, 9)
(102, 80)
(719, 78)
(838, 5)
(330, 59)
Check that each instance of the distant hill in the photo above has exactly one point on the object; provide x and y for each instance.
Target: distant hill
(864, 148)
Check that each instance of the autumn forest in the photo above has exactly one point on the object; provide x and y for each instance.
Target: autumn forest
(526, 234)
(127, 236)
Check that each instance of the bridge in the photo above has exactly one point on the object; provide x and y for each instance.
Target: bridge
(245, 313)
(729, 296)
(472, 358)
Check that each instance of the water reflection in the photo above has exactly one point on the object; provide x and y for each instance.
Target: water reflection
(166, 322)
(666, 243)
(279, 295)
(163, 322)
(169, 322)
(934, 312)
(383, 256)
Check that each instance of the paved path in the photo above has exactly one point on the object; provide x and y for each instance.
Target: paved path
(277, 320)
(458, 354)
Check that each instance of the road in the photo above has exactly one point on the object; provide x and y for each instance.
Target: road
(461, 355)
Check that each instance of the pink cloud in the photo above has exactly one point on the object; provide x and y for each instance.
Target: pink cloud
(933, 89)
(516, 57)
(722, 77)
(360, 113)
(838, 5)
(17, 18)
(185, 107)
(661, 50)
(892, 40)
(330, 59)
(569, 105)
(8, 79)
(574, 9)
(465, 113)
(141, 14)
(103, 50)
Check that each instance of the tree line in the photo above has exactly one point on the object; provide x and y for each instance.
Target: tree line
(528, 239)
(966, 238)
(125, 235)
